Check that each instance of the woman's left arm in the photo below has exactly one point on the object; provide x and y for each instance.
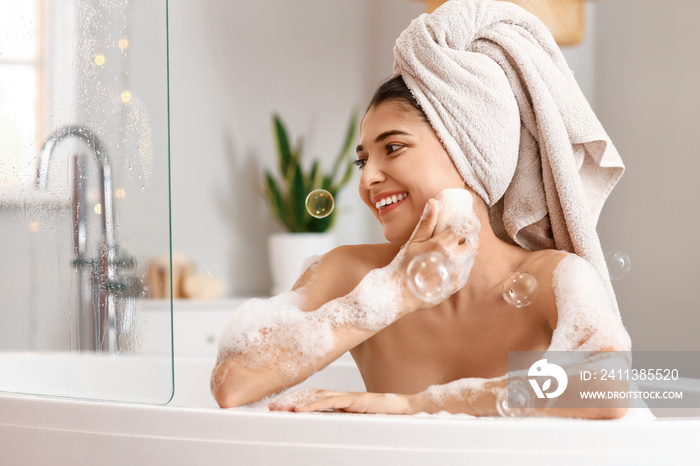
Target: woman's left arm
(476, 397)
(587, 324)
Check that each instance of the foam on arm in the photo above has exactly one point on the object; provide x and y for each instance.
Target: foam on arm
(283, 344)
(586, 322)
(586, 316)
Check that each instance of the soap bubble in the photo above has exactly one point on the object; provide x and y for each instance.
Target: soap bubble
(619, 264)
(427, 277)
(319, 203)
(514, 400)
(519, 289)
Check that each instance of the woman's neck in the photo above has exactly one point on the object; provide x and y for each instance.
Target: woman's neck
(495, 260)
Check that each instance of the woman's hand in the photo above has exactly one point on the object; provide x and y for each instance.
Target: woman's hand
(458, 248)
(309, 400)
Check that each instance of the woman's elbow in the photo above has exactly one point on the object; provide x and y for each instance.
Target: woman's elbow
(233, 384)
(223, 386)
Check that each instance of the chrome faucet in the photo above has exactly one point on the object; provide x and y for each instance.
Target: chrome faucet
(104, 286)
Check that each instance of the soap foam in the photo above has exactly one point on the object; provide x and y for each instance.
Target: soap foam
(466, 389)
(457, 212)
(373, 304)
(586, 320)
(276, 332)
(297, 398)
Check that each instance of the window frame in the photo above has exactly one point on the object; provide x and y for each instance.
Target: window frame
(39, 66)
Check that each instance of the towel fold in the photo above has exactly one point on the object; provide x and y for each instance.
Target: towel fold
(500, 96)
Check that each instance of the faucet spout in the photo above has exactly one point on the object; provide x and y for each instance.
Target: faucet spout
(71, 131)
(103, 161)
(105, 269)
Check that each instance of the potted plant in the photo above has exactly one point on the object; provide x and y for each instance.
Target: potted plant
(286, 194)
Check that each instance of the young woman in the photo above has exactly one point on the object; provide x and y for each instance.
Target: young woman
(446, 356)
(468, 335)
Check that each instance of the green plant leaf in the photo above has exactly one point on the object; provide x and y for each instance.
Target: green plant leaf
(274, 198)
(297, 200)
(319, 225)
(287, 197)
(292, 168)
(284, 151)
(347, 144)
(326, 182)
(315, 177)
(300, 147)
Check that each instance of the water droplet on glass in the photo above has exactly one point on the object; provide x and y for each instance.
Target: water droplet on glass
(514, 400)
(320, 203)
(519, 289)
(427, 277)
(619, 264)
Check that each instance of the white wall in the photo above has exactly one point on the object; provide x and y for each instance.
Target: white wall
(648, 99)
(235, 63)
(232, 65)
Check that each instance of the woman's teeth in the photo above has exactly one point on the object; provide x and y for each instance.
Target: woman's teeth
(391, 200)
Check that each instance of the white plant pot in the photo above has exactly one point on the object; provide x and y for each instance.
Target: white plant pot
(288, 251)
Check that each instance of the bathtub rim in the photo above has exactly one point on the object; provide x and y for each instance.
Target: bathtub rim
(324, 430)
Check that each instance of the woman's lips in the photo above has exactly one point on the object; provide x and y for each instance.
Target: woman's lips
(389, 202)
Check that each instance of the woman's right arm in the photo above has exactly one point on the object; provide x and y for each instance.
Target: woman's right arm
(270, 345)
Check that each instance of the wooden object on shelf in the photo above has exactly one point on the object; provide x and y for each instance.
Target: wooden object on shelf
(564, 18)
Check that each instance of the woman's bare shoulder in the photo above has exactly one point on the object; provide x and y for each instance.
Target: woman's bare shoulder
(338, 272)
(541, 264)
(547, 259)
(358, 259)
(581, 309)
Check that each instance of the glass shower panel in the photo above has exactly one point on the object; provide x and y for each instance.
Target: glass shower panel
(84, 200)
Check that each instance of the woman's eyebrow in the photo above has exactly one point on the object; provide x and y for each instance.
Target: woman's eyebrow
(383, 136)
(393, 132)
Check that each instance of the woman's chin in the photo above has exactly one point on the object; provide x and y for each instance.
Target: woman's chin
(394, 237)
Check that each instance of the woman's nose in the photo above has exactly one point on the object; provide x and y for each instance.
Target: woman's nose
(371, 173)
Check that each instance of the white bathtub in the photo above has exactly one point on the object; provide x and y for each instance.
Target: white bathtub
(192, 430)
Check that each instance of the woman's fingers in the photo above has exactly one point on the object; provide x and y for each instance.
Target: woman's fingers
(310, 400)
(288, 401)
(450, 240)
(426, 225)
(375, 403)
(336, 402)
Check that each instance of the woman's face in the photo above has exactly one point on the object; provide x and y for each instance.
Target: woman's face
(403, 165)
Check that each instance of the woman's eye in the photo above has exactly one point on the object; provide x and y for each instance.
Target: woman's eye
(359, 163)
(392, 148)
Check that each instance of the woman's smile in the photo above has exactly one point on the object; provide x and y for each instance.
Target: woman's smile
(389, 201)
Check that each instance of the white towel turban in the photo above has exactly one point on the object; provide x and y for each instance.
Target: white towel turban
(500, 96)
